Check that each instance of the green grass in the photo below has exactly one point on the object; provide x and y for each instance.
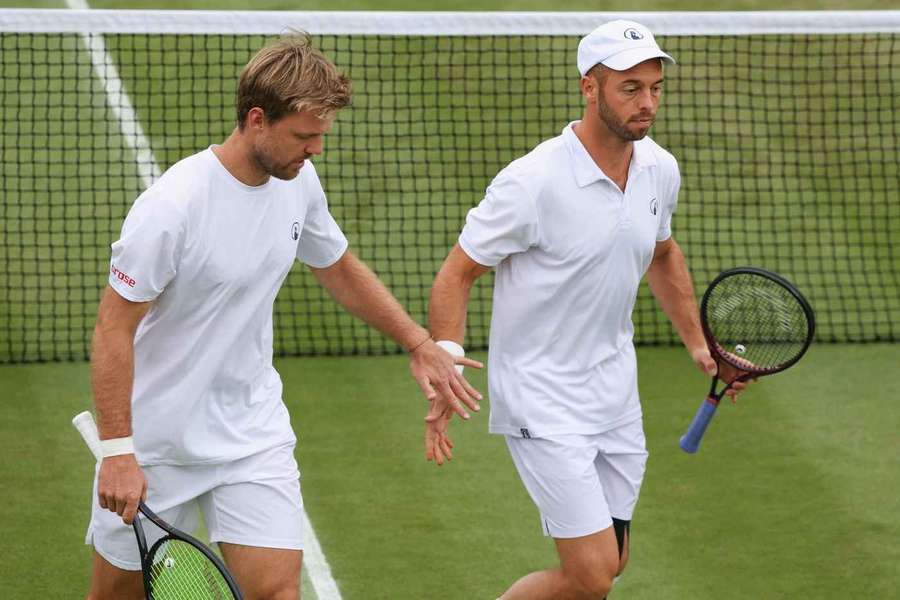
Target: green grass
(794, 493)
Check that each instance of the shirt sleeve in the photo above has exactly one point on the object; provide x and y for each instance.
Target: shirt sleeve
(670, 201)
(505, 222)
(145, 257)
(322, 242)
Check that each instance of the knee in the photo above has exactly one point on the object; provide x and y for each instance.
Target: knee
(595, 585)
(275, 593)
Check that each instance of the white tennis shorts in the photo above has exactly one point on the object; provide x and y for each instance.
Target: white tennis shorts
(579, 482)
(254, 501)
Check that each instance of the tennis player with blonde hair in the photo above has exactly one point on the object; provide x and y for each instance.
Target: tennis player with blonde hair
(188, 403)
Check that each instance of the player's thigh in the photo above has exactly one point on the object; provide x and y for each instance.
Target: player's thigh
(560, 477)
(257, 502)
(109, 582)
(591, 560)
(621, 464)
(264, 573)
(255, 515)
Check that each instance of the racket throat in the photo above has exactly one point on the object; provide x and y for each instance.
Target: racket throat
(712, 397)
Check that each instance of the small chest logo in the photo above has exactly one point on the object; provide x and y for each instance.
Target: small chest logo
(295, 231)
(633, 34)
(654, 206)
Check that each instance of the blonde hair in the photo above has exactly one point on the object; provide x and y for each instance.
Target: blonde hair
(291, 75)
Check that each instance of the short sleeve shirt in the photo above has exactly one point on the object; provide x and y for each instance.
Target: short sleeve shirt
(570, 249)
(212, 253)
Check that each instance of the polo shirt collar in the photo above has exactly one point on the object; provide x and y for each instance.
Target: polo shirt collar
(586, 170)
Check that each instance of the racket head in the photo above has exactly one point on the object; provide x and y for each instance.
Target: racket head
(178, 566)
(756, 321)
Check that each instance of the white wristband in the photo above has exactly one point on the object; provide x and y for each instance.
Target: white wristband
(454, 349)
(117, 446)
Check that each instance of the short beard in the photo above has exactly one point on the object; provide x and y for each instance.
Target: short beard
(616, 125)
(270, 168)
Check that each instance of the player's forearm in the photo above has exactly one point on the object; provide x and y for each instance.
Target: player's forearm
(448, 305)
(355, 287)
(671, 284)
(112, 378)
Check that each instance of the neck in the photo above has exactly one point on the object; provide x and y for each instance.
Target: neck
(236, 155)
(610, 152)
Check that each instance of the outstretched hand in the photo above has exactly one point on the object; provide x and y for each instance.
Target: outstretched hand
(438, 445)
(434, 369)
(721, 369)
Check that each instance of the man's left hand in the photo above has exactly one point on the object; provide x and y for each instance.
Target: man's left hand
(724, 371)
(434, 369)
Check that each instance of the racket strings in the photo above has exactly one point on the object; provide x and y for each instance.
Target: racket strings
(181, 572)
(757, 322)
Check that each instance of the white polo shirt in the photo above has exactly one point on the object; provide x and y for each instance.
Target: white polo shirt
(570, 249)
(212, 253)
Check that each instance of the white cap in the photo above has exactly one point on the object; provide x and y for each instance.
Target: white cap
(619, 45)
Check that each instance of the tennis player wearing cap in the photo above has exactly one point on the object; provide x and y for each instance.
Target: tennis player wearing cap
(571, 228)
(189, 406)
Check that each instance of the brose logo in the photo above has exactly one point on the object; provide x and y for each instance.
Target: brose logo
(123, 277)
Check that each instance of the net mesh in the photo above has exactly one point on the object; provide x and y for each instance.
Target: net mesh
(787, 145)
(756, 322)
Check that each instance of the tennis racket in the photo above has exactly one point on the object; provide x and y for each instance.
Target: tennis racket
(177, 566)
(754, 321)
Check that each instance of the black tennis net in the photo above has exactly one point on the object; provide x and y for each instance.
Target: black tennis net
(785, 128)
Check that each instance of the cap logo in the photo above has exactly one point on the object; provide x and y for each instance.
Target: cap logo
(633, 34)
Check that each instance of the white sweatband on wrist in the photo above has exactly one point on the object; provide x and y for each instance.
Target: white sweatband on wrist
(454, 349)
(117, 446)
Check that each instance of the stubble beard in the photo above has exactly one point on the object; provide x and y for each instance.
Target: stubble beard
(271, 168)
(616, 125)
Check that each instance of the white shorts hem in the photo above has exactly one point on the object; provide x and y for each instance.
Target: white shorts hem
(125, 565)
(575, 532)
(281, 544)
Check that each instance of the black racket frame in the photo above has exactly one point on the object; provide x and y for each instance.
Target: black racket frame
(714, 346)
(173, 534)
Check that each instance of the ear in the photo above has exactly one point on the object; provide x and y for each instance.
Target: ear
(256, 118)
(590, 88)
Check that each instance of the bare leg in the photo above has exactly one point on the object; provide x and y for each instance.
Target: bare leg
(109, 582)
(587, 567)
(264, 573)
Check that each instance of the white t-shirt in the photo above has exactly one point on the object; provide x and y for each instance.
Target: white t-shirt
(213, 252)
(570, 249)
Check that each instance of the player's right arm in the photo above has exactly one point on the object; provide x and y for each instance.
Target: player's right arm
(121, 482)
(450, 295)
(447, 321)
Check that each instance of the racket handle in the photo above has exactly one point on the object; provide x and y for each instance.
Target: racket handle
(690, 441)
(84, 423)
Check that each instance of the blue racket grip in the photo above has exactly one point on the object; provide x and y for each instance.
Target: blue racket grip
(690, 441)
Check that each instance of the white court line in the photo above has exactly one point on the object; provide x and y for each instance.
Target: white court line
(120, 103)
(317, 567)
